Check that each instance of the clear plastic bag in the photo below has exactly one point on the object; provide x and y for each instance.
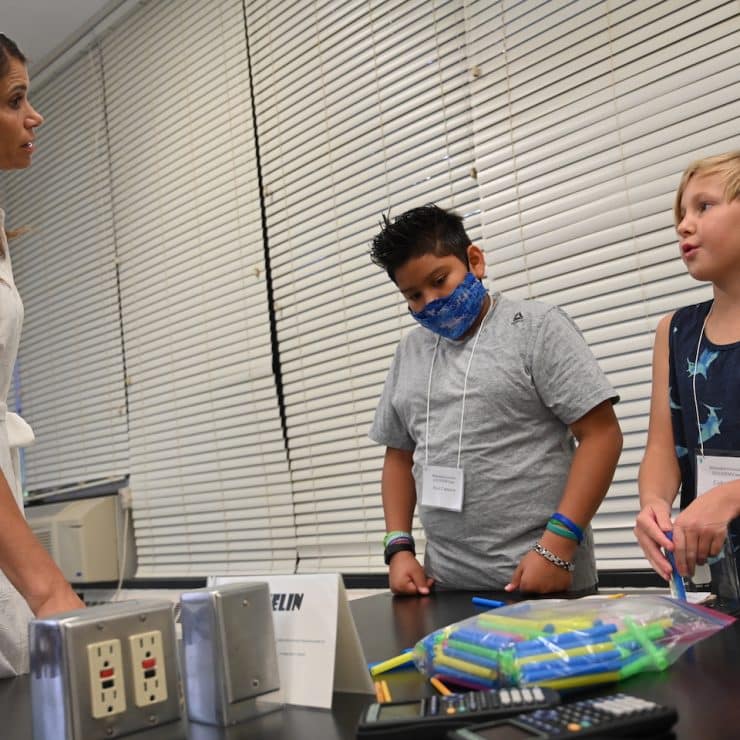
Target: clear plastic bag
(565, 644)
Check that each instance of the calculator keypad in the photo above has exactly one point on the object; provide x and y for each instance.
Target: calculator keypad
(584, 714)
(482, 701)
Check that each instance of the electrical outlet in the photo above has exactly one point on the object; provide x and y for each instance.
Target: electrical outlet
(107, 693)
(147, 668)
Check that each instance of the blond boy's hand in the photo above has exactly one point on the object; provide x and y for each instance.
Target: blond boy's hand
(652, 522)
(534, 574)
(406, 576)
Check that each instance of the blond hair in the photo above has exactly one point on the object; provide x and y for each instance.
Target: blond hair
(727, 166)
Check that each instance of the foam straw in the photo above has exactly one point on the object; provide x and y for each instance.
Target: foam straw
(391, 663)
(517, 624)
(459, 678)
(678, 590)
(576, 660)
(658, 655)
(534, 674)
(569, 653)
(480, 660)
(490, 603)
(472, 649)
(464, 666)
(484, 638)
(652, 630)
(440, 686)
(576, 682)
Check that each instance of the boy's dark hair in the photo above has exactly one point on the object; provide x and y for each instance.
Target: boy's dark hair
(8, 49)
(428, 229)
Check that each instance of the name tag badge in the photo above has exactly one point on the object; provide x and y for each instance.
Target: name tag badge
(442, 488)
(714, 470)
(711, 471)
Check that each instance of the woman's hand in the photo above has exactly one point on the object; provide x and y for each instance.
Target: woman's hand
(62, 599)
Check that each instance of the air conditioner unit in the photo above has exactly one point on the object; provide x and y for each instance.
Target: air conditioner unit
(83, 537)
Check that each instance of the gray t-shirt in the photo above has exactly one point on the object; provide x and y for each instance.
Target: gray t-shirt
(531, 376)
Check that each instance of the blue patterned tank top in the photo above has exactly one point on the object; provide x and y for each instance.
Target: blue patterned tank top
(717, 371)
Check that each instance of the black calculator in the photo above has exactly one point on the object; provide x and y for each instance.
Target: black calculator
(434, 716)
(616, 716)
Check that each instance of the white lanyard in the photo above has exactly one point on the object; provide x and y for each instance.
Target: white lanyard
(465, 389)
(693, 379)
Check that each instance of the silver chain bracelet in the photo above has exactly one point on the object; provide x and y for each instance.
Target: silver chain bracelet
(570, 566)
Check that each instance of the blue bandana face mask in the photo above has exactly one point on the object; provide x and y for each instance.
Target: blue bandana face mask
(454, 314)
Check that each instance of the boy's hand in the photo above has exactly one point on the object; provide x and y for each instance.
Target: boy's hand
(536, 575)
(701, 528)
(652, 522)
(406, 576)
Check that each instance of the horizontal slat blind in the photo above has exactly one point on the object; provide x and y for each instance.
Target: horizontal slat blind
(585, 115)
(209, 469)
(360, 106)
(70, 363)
(558, 129)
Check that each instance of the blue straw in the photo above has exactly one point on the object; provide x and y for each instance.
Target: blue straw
(490, 603)
(679, 591)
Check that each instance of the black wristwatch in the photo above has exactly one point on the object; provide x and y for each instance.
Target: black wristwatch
(395, 547)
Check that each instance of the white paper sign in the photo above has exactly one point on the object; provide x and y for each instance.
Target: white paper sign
(318, 647)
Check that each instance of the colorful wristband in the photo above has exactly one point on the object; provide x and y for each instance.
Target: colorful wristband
(395, 535)
(569, 524)
(561, 531)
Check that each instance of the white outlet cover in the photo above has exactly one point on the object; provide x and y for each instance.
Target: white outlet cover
(147, 668)
(107, 692)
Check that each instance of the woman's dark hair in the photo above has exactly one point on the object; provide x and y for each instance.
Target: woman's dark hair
(8, 49)
(428, 229)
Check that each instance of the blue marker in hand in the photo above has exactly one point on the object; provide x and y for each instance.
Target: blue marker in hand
(677, 588)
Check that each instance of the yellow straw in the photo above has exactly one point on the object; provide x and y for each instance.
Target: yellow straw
(391, 663)
(560, 653)
(465, 666)
(577, 681)
(440, 686)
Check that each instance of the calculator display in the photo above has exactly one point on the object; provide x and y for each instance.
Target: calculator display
(395, 711)
(503, 732)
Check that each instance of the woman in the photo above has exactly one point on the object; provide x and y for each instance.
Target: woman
(30, 582)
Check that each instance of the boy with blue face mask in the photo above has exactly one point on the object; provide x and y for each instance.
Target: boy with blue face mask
(478, 415)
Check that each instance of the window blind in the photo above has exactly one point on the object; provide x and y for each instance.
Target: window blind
(70, 366)
(209, 471)
(360, 106)
(585, 115)
(557, 129)
(552, 127)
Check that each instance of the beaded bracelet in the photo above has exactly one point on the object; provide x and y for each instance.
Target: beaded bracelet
(568, 565)
(569, 524)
